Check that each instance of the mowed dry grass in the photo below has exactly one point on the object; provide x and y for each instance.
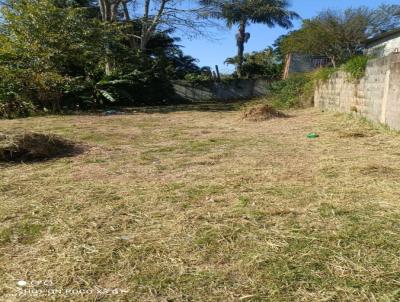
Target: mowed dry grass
(203, 206)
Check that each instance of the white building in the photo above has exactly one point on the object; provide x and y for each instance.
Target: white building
(383, 44)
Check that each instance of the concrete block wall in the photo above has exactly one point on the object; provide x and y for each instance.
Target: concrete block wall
(376, 96)
(221, 91)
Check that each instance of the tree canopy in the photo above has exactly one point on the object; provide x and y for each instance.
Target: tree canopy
(86, 53)
(265, 64)
(243, 12)
(340, 35)
(57, 53)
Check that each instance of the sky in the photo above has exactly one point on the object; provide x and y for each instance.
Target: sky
(211, 52)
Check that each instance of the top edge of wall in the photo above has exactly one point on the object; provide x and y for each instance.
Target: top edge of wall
(391, 58)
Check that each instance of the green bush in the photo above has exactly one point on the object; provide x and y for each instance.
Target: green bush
(356, 67)
(14, 106)
(291, 92)
(13, 102)
(149, 87)
(324, 74)
(298, 90)
(197, 77)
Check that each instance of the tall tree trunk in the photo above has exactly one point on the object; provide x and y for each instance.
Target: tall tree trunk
(241, 38)
(110, 63)
(132, 41)
(126, 11)
(109, 9)
(144, 34)
(333, 61)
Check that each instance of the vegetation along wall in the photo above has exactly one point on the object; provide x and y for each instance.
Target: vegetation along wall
(221, 91)
(376, 96)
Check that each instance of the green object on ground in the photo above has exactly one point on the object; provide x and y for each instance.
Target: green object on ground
(312, 135)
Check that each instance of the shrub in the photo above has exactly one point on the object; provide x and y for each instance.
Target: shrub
(197, 78)
(79, 93)
(49, 89)
(291, 92)
(356, 67)
(13, 102)
(149, 87)
(324, 74)
(15, 106)
(298, 90)
(64, 42)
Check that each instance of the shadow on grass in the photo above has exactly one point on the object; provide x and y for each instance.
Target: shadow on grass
(208, 106)
(199, 106)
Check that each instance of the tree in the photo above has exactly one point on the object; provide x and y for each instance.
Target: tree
(141, 20)
(334, 34)
(163, 48)
(45, 47)
(183, 64)
(385, 18)
(74, 3)
(244, 12)
(340, 35)
(264, 64)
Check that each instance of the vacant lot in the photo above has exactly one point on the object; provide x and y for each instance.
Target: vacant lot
(199, 205)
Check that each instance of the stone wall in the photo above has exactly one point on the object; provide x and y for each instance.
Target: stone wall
(376, 96)
(221, 91)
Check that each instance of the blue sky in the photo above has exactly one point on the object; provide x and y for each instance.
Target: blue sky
(212, 52)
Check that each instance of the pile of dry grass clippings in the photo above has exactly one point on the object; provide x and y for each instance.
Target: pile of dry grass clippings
(262, 113)
(35, 147)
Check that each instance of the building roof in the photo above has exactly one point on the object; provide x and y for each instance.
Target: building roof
(383, 36)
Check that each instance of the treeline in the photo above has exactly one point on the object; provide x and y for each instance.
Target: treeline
(58, 55)
(77, 54)
(340, 35)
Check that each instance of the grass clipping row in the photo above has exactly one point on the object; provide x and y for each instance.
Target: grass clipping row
(35, 147)
(262, 113)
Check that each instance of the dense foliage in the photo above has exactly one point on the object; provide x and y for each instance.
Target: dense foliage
(244, 12)
(385, 18)
(298, 90)
(340, 35)
(58, 54)
(265, 64)
(356, 67)
(43, 49)
(293, 92)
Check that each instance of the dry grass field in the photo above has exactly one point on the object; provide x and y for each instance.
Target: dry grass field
(196, 204)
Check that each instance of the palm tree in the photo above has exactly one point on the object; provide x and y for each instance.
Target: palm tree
(245, 12)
